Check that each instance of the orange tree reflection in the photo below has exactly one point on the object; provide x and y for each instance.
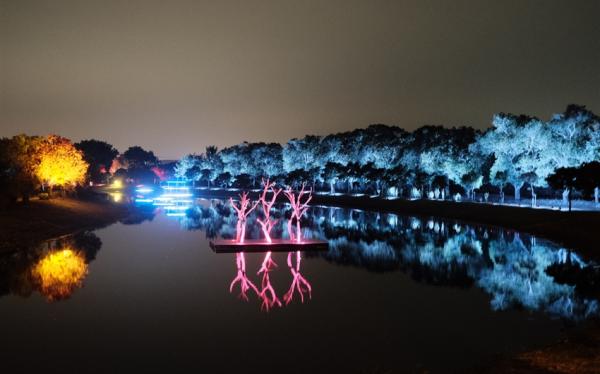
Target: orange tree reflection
(59, 273)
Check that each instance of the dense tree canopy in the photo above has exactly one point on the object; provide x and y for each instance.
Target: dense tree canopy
(138, 157)
(518, 150)
(19, 157)
(60, 164)
(99, 155)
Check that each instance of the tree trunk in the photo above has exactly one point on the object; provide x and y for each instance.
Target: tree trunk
(243, 235)
(596, 194)
(565, 195)
(570, 199)
(518, 191)
(331, 188)
(298, 232)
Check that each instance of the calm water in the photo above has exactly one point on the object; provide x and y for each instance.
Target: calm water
(392, 294)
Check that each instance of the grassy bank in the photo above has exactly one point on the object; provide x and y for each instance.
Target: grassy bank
(578, 230)
(24, 225)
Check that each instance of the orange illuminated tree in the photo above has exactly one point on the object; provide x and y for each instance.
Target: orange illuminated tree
(60, 163)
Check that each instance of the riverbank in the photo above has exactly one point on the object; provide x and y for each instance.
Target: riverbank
(22, 226)
(575, 230)
(577, 353)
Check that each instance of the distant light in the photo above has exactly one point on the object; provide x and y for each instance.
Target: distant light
(143, 200)
(144, 190)
(167, 195)
(175, 214)
(178, 207)
(117, 183)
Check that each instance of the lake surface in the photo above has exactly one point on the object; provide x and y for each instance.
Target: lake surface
(392, 294)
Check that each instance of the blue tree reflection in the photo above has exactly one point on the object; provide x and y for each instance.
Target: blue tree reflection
(510, 267)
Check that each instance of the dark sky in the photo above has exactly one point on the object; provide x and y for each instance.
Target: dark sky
(175, 76)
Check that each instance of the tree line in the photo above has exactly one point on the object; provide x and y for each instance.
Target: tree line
(32, 164)
(518, 151)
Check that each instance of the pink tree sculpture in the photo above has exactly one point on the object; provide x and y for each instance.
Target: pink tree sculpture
(298, 209)
(267, 292)
(242, 278)
(299, 283)
(243, 210)
(267, 224)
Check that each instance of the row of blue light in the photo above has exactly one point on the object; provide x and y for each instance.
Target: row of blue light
(175, 199)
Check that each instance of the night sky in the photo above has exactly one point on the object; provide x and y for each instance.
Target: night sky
(175, 76)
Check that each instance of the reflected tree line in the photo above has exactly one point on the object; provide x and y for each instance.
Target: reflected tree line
(516, 270)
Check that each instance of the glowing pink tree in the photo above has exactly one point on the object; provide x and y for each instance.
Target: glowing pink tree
(243, 210)
(267, 292)
(267, 224)
(298, 209)
(299, 283)
(242, 278)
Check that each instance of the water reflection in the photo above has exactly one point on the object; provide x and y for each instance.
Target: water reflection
(299, 283)
(267, 293)
(59, 273)
(242, 277)
(55, 269)
(509, 266)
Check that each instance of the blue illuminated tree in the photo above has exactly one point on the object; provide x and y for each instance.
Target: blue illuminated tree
(301, 153)
(331, 173)
(564, 178)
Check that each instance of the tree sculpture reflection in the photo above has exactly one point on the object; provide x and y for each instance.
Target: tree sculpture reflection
(299, 283)
(267, 292)
(243, 210)
(242, 278)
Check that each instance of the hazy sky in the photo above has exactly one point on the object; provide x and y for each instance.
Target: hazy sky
(175, 76)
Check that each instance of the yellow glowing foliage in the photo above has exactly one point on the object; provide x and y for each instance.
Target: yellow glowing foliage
(61, 164)
(59, 273)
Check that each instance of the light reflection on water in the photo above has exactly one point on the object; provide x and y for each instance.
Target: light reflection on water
(54, 269)
(393, 294)
(509, 266)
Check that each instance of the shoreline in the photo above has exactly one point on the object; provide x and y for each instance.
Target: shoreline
(24, 226)
(574, 230)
